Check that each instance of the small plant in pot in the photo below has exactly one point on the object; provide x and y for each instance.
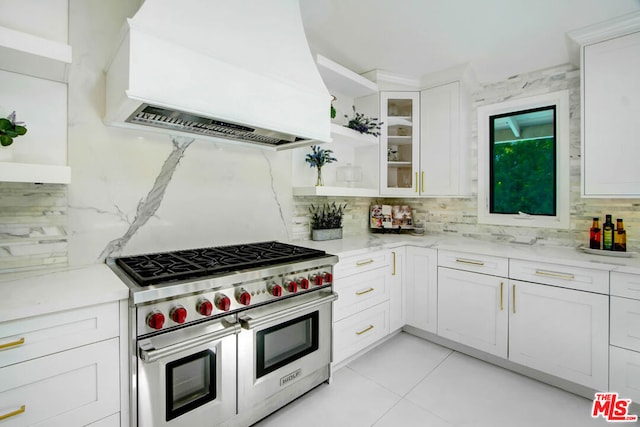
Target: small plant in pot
(10, 129)
(326, 221)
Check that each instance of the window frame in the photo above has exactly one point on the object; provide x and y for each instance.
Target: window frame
(560, 100)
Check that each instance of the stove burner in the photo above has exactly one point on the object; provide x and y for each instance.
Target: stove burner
(162, 267)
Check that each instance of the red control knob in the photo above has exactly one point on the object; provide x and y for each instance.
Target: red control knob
(316, 279)
(275, 290)
(292, 286)
(328, 277)
(204, 307)
(304, 282)
(155, 320)
(244, 297)
(178, 314)
(223, 302)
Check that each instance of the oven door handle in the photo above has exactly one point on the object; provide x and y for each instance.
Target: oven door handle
(150, 354)
(248, 322)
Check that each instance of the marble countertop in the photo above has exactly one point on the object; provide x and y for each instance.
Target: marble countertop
(353, 246)
(48, 291)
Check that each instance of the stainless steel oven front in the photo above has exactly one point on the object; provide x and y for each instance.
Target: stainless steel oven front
(187, 377)
(284, 350)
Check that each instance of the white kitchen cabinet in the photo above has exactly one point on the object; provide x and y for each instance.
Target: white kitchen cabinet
(421, 288)
(473, 310)
(624, 373)
(397, 289)
(61, 368)
(610, 108)
(562, 332)
(443, 141)
(359, 331)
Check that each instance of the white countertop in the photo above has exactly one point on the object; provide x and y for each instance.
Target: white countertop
(41, 292)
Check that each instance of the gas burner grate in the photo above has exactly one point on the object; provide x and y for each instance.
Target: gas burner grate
(163, 267)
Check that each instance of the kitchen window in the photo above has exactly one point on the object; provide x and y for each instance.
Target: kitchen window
(523, 162)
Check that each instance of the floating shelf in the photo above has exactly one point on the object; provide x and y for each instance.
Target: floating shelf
(35, 56)
(41, 174)
(336, 191)
(345, 135)
(344, 81)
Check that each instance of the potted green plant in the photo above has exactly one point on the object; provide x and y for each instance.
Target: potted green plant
(317, 159)
(10, 129)
(363, 124)
(326, 221)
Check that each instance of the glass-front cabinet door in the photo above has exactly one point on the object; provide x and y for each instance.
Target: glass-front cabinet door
(399, 143)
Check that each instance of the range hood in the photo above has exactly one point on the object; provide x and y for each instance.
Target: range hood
(232, 71)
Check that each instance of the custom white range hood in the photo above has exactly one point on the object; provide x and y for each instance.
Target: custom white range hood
(233, 71)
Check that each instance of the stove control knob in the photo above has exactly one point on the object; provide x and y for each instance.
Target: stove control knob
(328, 277)
(316, 279)
(303, 282)
(274, 289)
(204, 307)
(222, 302)
(178, 314)
(155, 320)
(244, 297)
(292, 286)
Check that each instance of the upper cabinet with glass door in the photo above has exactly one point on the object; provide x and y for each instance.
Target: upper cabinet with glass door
(399, 143)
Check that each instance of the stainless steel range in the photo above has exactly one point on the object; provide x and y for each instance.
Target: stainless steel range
(226, 335)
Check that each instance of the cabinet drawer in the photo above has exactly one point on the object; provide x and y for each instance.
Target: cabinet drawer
(625, 285)
(624, 373)
(70, 388)
(485, 264)
(360, 291)
(582, 279)
(625, 323)
(37, 336)
(360, 263)
(357, 332)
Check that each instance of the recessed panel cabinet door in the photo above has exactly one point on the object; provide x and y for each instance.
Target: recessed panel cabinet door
(472, 310)
(611, 104)
(421, 285)
(562, 332)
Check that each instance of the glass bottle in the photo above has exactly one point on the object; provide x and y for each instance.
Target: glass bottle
(607, 234)
(595, 234)
(620, 237)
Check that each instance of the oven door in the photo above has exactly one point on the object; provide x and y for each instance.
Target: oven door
(187, 377)
(284, 350)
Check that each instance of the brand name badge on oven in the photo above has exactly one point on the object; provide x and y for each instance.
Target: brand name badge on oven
(290, 377)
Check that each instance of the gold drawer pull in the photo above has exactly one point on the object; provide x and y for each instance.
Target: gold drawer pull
(394, 264)
(365, 292)
(469, 261)
(361, 263)
(514, 299)
(12, 344)
(365, 330)
(16, 412)
(501, 299)
(563, 276)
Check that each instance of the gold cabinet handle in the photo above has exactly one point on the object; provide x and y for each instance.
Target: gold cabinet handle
(361, 263)
(394, 263)
(365, 292)
(555, 275)
(513, 295)
(365, 330)
(416, 182)
(501, 296)
(469, 261)
(422, 188)
(12, 344)
(14, 413)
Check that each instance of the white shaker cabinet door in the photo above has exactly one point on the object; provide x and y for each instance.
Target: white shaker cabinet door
(421, 285)
(611, 104)
(562, 332)
(472, 310)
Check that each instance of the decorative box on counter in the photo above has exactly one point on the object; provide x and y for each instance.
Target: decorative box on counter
(391, 217)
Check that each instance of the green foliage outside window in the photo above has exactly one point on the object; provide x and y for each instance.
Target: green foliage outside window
(523, 177)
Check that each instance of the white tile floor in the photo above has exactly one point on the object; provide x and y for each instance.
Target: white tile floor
(408, 381)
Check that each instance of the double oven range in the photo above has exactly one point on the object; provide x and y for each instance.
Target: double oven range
(226, 335)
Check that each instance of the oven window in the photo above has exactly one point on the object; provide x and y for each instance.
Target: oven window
(280, 345)
(191, 382)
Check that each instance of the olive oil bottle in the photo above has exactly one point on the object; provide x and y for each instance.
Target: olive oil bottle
(620, 237)
(607, 234)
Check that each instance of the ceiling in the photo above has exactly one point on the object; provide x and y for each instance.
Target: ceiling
(498, 38)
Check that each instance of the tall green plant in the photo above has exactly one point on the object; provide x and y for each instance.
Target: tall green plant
(327, 216)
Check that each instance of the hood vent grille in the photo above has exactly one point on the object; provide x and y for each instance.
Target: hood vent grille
(158, 117)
